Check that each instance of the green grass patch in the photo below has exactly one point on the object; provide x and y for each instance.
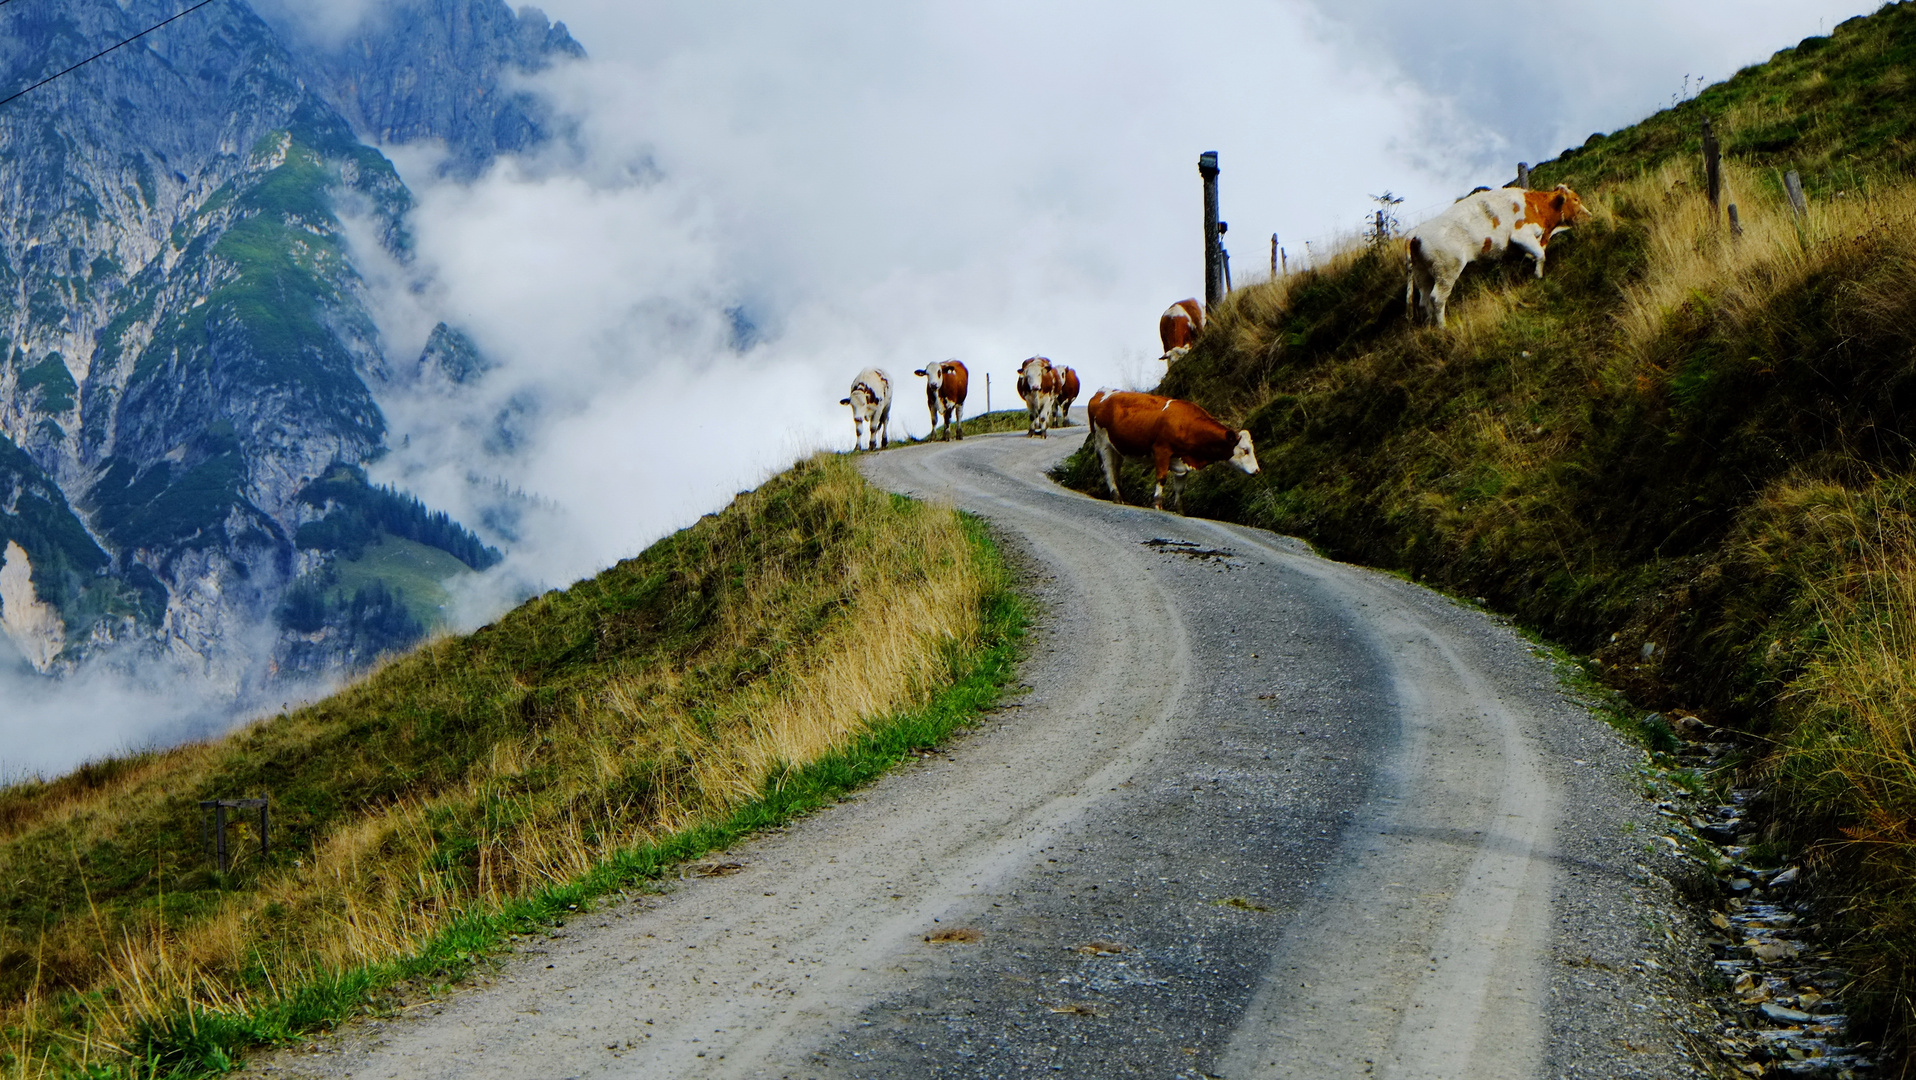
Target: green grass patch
(416, 571)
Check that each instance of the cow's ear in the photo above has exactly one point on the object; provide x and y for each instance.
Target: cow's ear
(1563, 187)
(1558, 201)
(920, 371)
(844, 401)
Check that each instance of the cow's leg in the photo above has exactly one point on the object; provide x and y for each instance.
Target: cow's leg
(1108, 457)
(1530, 238)
(1178, 472)
(955, 418)
(883, 430)
(1440, 297)
(1426, 292)
(1160, 457)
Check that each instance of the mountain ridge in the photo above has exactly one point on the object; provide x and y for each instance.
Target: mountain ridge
(186, 342)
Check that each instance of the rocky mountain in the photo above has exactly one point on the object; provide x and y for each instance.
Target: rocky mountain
(189, 371)
(413, 71)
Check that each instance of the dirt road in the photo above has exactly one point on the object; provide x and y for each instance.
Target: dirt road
(1258, 815)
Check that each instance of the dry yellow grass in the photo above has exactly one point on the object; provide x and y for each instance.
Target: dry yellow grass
(818, 633)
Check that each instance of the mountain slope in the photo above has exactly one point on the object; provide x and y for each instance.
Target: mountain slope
(1686, 453)
(467, 791)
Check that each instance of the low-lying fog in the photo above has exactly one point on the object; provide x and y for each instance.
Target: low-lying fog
(759, 200)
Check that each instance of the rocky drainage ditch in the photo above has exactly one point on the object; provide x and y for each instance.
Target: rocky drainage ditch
(1776, 995)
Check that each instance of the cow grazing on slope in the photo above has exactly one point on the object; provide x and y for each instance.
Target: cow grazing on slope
(945, 387)
(1179, 437)
(1179, 327)
(1547, 213)
(1482, 225)
(870, 400)
(1038, 385)
(1067, 393)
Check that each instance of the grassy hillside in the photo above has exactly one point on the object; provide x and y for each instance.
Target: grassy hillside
(1685, 454)
(742, 670)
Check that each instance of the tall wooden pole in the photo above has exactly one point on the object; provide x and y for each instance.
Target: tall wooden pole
(1213, 256)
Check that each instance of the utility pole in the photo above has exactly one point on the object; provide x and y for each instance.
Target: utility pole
(1213, 251)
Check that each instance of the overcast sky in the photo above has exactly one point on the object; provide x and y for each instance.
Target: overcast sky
(893, 184)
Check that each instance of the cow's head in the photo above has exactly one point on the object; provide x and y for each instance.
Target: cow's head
(1243, 456)
(1569, 205)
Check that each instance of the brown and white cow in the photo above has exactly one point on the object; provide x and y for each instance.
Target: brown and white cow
(1038, 385)
(1481, 225)
(945, 387)
(870, 400)
(1178, 436)
(1179, 327)
(1547, 213)
(1067, 393)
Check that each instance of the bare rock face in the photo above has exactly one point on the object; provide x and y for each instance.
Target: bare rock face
(185, 344)
(32, 623)
(415, 70)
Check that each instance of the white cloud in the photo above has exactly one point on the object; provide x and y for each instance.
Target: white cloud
(888, 185)
(1541, 77)
(876, 184)
(892, 184)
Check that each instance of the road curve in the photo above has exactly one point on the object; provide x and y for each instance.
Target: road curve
(1258, 814)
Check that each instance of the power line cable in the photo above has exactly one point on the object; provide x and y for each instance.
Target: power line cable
(102, 52)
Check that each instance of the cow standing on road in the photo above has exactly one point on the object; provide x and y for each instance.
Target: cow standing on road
(1038, 385)
(1067, 393)
(870, 400)
(1178, 328)
(1179, 437)
(945, 387)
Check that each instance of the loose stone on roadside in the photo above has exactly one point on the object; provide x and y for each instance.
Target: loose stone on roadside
(1778, 1013)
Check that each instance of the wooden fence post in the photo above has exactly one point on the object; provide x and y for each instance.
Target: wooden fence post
(222, 856)
(1793, 187)
(1213, 262)
(1736, 224)
(1273, 256)
(1523, 175)
(1224, 256)
(987, 392)
(1712, 166)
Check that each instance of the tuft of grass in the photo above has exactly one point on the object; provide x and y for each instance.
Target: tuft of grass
(740, 672)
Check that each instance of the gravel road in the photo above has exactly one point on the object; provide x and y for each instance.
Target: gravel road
(1258, 814)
